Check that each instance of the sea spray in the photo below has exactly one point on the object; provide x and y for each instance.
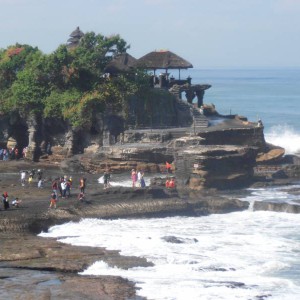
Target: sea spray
(286, 137)
(242, 255)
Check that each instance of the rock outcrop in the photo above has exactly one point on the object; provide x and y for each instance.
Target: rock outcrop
(277, 206)
(221, 167)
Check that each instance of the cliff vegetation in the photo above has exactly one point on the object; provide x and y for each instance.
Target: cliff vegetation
(69, 84)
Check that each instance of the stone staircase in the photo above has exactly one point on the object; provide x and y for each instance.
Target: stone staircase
(200, 121)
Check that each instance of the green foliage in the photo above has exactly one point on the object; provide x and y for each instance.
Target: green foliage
(69, 83)
(12, 61)
(27, 93)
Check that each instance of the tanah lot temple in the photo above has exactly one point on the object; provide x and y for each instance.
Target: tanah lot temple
(208, 149)
(160, 124)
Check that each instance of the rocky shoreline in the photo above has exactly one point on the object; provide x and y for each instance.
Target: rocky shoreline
(33, 267)
(38, 268)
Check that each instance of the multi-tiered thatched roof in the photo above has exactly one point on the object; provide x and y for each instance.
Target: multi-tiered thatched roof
(121, 63)
(75, 37)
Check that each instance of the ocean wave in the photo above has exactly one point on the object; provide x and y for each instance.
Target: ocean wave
(284, 136)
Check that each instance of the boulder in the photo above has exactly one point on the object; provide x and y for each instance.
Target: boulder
(274, 155)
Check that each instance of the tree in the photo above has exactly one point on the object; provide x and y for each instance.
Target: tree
(68, 83)
(28, 92)
(12, 61)
(92, 55)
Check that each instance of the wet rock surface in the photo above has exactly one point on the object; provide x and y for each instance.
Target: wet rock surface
(32, 267)
(278, 207)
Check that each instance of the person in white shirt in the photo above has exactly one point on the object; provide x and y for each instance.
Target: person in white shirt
(23, 178)
(64, 188)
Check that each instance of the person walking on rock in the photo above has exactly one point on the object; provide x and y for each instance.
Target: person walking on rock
(106, 179)
(82, 184)
(133, 178)
(55, 187)
(5, 200)
(143, 183)
(63, 188)
(53, 200)
(23, 177)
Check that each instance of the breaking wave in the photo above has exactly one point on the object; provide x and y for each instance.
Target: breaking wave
(286, 137)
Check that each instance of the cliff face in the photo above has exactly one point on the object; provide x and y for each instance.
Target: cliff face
(221, 167)
(104, 129)
(204, 155)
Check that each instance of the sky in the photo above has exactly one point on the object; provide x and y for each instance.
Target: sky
(207, 33)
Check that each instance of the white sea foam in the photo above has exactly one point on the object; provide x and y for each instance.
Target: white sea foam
(125, 181)
(284, 136)
(240, 255)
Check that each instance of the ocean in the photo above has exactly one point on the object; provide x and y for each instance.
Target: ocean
(241, 255)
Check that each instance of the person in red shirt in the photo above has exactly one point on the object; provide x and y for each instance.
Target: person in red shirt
(167, 183)
(16, 153)
(172, 183)
(168, 167)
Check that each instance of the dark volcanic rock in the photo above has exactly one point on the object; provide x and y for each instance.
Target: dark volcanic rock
(221, 167)
(278, 207)
(173, 240)
(280, 174)
(177, 240)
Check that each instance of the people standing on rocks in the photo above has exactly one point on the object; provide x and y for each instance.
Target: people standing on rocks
(31, 175)
(171, 183)
(5, 154)
(23, 177)
(260, 123)
(5, 200)
(48, 149)
(133, 178)
(24, 152)
(55, 186)
(106, 179)
(53, 201)
(63, 185)
(40, 184)
(168, 168)
(82, 184)
(68, 189)
(39, 174)
(139, 178)
(59, 186)
(142, 180)
(16, 153)
(167, 184)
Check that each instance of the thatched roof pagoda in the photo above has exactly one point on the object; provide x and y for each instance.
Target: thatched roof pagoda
(163, 59)
(121, 63)
(75, 37)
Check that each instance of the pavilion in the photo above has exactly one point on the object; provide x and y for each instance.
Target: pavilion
(164, 60)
